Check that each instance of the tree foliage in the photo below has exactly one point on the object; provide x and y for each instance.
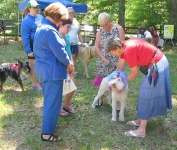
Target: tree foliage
(137, 12)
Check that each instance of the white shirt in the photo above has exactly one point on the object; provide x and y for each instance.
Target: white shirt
(147, 34)
(73, 33)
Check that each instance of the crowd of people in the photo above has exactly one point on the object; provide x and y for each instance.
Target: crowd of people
(51, 43)
(150, 35)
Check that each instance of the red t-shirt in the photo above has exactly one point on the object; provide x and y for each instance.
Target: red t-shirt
(138, 52)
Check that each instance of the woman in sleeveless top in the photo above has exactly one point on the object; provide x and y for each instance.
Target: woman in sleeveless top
(106, 63)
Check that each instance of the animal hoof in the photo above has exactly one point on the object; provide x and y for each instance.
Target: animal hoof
(113, 119)
(93, 106)
(121, 119)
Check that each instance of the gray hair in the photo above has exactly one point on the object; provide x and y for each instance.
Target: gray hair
(104, 18)
(71, 9)
(112, 44)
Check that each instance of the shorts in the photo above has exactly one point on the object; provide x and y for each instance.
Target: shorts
(31, 46)
(74, 49)
(31, 57)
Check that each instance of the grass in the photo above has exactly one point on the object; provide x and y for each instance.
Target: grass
(89, 129)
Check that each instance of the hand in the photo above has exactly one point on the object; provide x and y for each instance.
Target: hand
(70, 68)
(82, 44)
(106, 62)
(31, 54)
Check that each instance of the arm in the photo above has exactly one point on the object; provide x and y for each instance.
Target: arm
(97, 48)
(134, 70)
(25, 34)
(120, 64)
(121, 33)
(80, 36)
(133, 74)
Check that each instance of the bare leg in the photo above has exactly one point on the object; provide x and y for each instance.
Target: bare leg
(68, 98)
(32, 71)
(74, 58)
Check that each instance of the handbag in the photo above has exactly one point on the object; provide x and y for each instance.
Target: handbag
(68, 85)
(144, 69)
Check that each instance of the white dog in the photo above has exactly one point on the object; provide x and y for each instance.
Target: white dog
(85, 55)
(117, 83)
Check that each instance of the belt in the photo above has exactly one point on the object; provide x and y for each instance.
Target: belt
(152, 59)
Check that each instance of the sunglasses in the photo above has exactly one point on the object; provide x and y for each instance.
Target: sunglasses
(35, 7)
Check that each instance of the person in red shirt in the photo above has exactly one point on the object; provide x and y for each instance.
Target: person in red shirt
(155, 90)
(154, 35)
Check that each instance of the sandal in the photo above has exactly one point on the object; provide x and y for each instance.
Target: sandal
(51, 138)
(63, 113)
(69, 110)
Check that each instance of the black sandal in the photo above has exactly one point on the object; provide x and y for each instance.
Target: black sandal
(52, 138)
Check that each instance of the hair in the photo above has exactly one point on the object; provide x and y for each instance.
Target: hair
(67, 21)
(57, 11)
(104, 18)
(112, 44)
(25, 12)
(71, 8)
(152, 28)
(64, 22)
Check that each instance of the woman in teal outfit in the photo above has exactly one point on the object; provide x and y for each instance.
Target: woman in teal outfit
(63, 30)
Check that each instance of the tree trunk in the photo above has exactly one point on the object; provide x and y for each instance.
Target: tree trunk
(121, 19)
(173, 15)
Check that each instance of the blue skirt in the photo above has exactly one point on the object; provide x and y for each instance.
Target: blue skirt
(154, 101)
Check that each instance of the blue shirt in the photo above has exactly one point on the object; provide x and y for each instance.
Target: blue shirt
(49, 51)
(28, 28)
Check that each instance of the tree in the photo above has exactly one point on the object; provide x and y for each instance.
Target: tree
(121, 12)
(173, 15)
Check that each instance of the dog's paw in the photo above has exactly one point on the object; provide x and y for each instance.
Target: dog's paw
(114, 119)
(121, 119)
(93, 106)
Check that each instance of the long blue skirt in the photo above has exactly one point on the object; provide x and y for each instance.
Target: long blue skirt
(154, 101)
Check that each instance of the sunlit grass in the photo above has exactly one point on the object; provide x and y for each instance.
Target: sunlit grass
(89, 129)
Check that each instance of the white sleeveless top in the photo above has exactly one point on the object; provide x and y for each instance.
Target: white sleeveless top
(73, 33)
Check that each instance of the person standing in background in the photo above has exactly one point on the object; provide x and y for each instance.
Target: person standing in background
(148, 36)
(141, 31)
(28, 28)
(52, 66)
(155, 36)
(74, 34)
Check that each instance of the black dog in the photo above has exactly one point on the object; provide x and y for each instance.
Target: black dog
(16, 71)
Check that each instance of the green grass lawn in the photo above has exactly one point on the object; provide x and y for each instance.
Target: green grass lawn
(89, 129)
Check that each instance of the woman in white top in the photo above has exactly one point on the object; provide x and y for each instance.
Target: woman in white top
(74, 34)
(148, 36)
